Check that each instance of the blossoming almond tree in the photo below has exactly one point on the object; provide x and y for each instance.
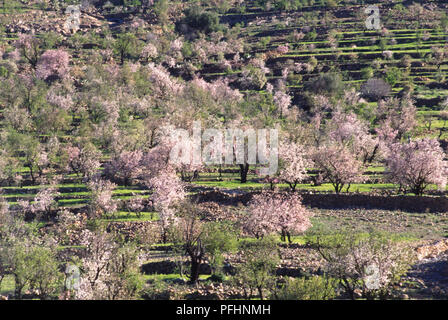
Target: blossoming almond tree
(125, 167)
(52, 64)
(84, 160)
(338, 165)
(101, 201)
(347, 129)
(417, 164)
(276, 212)
(167, 191)
(294, 164)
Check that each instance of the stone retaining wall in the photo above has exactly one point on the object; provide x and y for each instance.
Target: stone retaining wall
(423, 204)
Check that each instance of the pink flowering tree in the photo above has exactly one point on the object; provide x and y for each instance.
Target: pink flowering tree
(399, 115)
(338, 165)
(43, 203)
(155, 161)
(417, 164)
(125, 167)
(282, 101)
(158, 159)
(53, 64)
(270, 212)
(163, 85)
(282, 49)
(136, 204)
(110, 271)
(386, 135)
(101, 202)
(84, 161)
(293, 169)
(168, 190)
(29, 47)
(348, 130)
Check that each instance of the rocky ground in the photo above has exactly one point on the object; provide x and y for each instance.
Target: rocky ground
(428, 279)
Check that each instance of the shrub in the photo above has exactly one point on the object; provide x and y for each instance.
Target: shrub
(253, 78)
(369, 264)
(367, 73)
(328, 83)
(393, 75)
(200, 20)
(314, 288)
(375, 89)
(257, 272)
(218, 238)
(126, 46)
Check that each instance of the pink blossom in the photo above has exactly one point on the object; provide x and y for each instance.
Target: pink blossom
(338, 165)
(101, 197)
(282, 101)
(276, 212)
(124, 167)
(52, 63)
(85, 161)
(168, 190)
(282, 49)
(149, 51)
(417, 164)
(294, 163)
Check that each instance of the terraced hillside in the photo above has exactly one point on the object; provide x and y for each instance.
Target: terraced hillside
(87, 108)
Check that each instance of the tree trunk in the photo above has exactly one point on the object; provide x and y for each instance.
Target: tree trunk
(220, 172)
(244, 169)
(283, 236)
(18, 288)
(194, 272)
(260, 292)
(33, 179)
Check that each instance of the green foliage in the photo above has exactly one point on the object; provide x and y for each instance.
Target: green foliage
(253, 78)
(312, 35)
(132, 3)
(203, 21)
(292, 5)
(161, 8)
(264, 41)
(126, 46)
(313, 288)
(258, 270)
(44, 271)
(3, 72)
(126, 280)
(367, 73)
(31, 260)
(393, 75)
(218, 238)
(157, 290)
(50, 40)
(328, 83)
